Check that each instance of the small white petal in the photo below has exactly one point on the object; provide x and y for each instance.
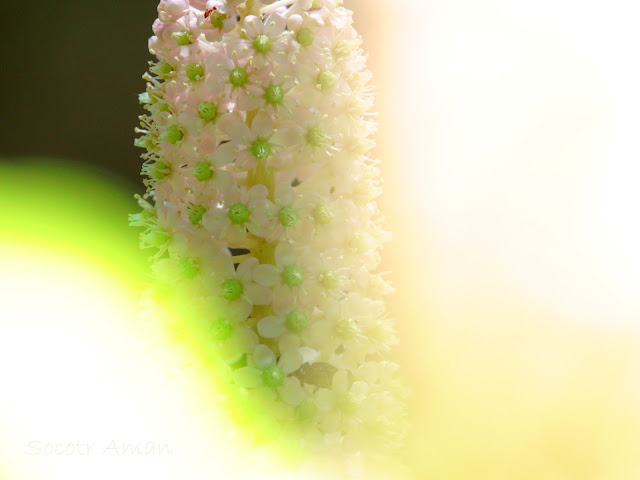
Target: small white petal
(266, 274)
(271, 327)
(262, 124)
(340, 382)
(291, 392)
(360, 388)
(257, 294)
(290, 361)
(247, 377)
(245, 269)
(263, 357)
(285, 254)
(325, 399)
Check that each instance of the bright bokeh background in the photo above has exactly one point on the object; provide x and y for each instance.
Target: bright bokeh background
(508, 138)
(509, 143)
(78, 363)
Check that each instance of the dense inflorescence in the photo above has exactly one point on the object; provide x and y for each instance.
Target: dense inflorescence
(261, 210)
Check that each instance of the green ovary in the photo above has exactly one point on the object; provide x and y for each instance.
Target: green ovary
(221, 329)
(195, 213)
(207, 111)
(262, 44)
(232, 289)
(305, 37)
(327, 80)
(297, 321)
(202, 171)
(273, 376)
(261, 149)
(239, 214)
(238, 77)
(217, 19)
(274, 94)
(194, 71)
(323, 214)
(288, 217)
(330, 280)
(183, 38)
(172, 134)
(292, 276)
(188, 268)
(316, 137)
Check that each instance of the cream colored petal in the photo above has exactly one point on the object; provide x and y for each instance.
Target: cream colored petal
(290, 361)
(266, 274)
(291, 392)
(257, 294)
(245, 269)
(340, 383)
(247, 377)
(271, 327)
(263, 357)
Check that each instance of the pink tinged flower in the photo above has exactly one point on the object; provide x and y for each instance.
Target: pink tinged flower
(305, 30)
(267, 41)
(217, 19)
(254, 144)
(291, 215)
(171, 10)
(229, 70)
(276, 86)
(242, 210)
(309, 137)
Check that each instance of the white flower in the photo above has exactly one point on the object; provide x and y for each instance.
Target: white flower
(242, 210)
(264, 371)
(262, 220)
(267, 41)
(230, 71)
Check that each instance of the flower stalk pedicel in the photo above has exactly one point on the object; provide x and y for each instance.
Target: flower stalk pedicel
(260, 209)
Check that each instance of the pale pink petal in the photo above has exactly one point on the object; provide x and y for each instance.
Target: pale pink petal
(223, 155)
(275, 25)
(223, 181)
(262, 124)
(245, 160)
(294, 22)
(256, 192)
(253, 26)
(248, 99)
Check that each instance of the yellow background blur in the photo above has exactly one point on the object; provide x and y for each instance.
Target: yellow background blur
(509, 143)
